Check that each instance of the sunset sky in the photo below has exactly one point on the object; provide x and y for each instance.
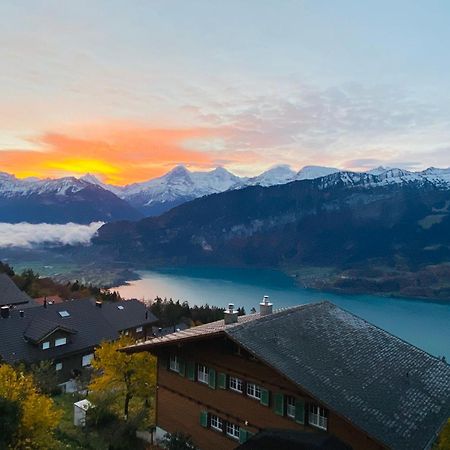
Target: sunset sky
(129, 89)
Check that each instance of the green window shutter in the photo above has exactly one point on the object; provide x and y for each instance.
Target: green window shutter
(191, 370)
(264, 397)
(212, 378)
(243, 435)
(221, 380)
(182, 363)
(299, 410)
(204, 419)
(279, 404)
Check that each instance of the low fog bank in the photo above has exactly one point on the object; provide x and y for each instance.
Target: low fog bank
(27, 235)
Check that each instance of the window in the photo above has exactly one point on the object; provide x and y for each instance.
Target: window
(45, 345)
(58, 366)
(290, 406)
(139, 330)
(60, 341)
(120, 307)
(174, 363)
(233, 430)
(254, 391)
(86, 359)
(216, 423)
(202, 374)
(64, 313)
(235, 384)
(318, 416)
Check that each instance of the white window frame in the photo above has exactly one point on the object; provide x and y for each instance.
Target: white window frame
(45, 345)
(87, 358)
(232, 430)
(317, 417)
(254, 391)
(235, 384)
(290, 406)
(60, 341)
(58, 366)
(174, 363)
(139, 329)
(64, 313)
(216, 423)
(203, 374)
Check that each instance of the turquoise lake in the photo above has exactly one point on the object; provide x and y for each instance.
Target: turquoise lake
(423, 323)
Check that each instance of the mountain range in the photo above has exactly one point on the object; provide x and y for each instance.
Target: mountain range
(392, 226)
(88, 199)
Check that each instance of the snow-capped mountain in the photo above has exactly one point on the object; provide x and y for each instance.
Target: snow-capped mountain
(181, 185)
(276, 175)
(11, 186)
(60, 200)
(313, 172)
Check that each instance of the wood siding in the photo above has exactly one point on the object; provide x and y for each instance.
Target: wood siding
(180, 401)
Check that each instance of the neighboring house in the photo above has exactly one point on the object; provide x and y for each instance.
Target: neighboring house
(315, 368)
(11, 295)
(67, 333)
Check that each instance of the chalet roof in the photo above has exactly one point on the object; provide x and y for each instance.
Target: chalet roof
(80, 316)
(127, 314)
(395, 392)
(10, 294)
(39, 328)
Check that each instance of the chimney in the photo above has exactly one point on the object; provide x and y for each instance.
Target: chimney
(45, 302)
(4, 312)
(265, 307)
(98, 304)
(22, 313)
(230, 315)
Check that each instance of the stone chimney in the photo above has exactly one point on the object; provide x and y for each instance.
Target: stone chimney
(265, 307)
(230, 315)
(4, 312)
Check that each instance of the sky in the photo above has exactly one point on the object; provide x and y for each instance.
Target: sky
(127, 90)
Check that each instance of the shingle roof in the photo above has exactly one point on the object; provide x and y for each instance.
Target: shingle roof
(90, 325)
(132, 313)
(397, 393)
(39, 328)
(10, 294)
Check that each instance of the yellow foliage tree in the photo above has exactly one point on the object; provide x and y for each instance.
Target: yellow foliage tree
(444, 437)
(38, 415)
(132, 376)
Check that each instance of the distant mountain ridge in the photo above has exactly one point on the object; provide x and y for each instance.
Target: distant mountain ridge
(158, 195)
(350, 221)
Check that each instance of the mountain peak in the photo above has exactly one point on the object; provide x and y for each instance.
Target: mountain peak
(312, 172)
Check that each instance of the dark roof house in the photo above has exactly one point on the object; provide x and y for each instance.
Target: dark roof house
(396, 393)
(10, 294)
(84, 324)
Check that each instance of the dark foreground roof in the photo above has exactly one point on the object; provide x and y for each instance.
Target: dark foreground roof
(87, 324)
(395, 392)
(292, 440)
(10, 294)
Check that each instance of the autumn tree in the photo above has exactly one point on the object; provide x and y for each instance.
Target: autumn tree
(444, 438)
(38, 415)
(127, 376)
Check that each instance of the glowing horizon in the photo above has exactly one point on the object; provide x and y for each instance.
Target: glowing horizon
(241, 85)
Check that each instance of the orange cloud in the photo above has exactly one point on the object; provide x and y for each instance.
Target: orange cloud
(119, 154)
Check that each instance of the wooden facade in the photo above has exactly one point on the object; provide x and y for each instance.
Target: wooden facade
(186, 404)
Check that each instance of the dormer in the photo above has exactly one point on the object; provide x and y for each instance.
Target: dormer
(47, 334)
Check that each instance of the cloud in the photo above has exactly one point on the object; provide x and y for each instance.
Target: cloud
(27, 235)
(120, 153)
